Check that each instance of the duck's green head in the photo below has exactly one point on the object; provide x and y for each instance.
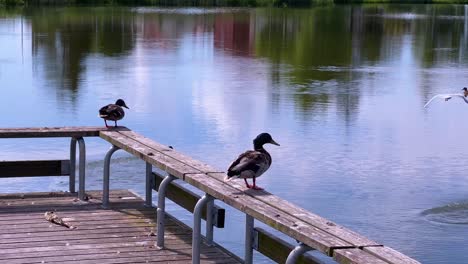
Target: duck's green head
(262, 139)
(121, 103)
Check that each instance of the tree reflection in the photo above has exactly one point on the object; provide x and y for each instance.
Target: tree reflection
(62, 39)
(312, 52)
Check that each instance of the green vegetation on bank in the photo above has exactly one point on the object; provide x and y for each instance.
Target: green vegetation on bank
(166, 2)
(213, 3)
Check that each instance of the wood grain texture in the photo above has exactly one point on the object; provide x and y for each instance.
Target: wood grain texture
(41, 132)
(196, 164)
(317, 221)
(267, 214)
(390, 255)
(355, 256)
(150, 155)
(122, 234)
(311, 229)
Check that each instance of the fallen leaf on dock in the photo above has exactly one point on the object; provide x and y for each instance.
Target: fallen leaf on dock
(53, 218)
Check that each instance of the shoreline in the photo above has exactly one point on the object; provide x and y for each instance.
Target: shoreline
(213, 3)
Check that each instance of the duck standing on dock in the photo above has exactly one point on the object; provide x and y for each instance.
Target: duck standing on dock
(113, 112)
(252, 163)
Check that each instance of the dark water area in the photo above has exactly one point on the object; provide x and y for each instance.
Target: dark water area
(341, 88)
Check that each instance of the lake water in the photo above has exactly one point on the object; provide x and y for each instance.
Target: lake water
(341, 88)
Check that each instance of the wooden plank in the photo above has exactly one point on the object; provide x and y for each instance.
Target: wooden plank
(390, 255)
(265, 207)
(40, 132)
(32, 168)
(172, 248)
(62, 195)
(317, 221)
(113, 254)
(187, 199)
(148, 154)
(79, 216)
(277, 249)
(104, 236)
(196, 164)
(66, 232)
(355, 256)
(326, 242)
(269, 215)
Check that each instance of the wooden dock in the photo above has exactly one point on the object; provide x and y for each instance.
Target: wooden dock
(123, 233)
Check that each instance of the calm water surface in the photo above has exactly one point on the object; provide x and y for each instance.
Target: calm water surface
(340, 88)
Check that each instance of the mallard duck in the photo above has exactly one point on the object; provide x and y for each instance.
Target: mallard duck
(447, 97)
(113, 112)
(252, 163)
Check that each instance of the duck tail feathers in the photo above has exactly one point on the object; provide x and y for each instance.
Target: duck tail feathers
(230, 175)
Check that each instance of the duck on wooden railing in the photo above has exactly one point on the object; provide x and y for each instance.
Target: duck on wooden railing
(113, 112)
(252, 163)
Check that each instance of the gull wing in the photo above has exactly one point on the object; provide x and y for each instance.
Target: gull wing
(443, 96)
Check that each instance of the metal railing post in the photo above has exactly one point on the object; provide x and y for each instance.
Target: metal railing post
(72, 165)
(249, 239)
(160, 212)
(297, 252)
(81, 168)
(209, 222)
(106, 177)
(196, 236)
(149, 185)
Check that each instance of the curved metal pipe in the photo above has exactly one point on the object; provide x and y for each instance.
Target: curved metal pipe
(161, 213)
(72, 165)
(209, 222)
(196, 236)
(105, 183)
(297, 252)
(81, 168)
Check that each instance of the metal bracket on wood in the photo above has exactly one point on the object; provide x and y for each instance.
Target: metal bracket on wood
(81, 168)
(196, 236)
(105, 182)
(249, 239)
(161, 213)
(149, 185)
(297, 252)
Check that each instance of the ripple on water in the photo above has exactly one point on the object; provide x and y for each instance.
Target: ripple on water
(455, 213)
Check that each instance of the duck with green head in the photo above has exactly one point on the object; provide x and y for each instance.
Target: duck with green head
(113, 112)
(252, 163)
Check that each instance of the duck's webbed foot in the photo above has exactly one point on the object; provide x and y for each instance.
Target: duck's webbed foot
(247, 184)
(255, 187)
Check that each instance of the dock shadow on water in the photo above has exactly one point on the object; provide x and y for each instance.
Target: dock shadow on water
(454, 213)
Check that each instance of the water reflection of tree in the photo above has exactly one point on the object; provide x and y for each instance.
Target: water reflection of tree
(62, 40)
(319, 47)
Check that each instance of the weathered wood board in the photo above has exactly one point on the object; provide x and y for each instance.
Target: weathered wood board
(120, 234)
